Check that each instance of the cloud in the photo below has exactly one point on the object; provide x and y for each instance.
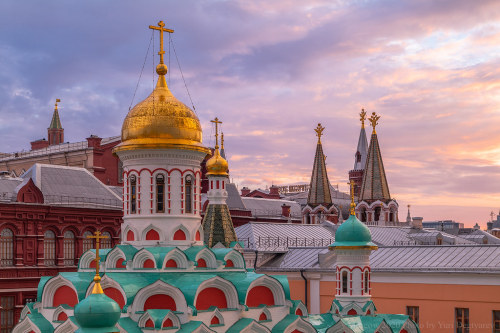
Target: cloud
(271, 70)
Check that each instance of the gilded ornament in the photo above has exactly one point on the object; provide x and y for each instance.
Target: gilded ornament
(374, 121)
(319, 131)
(362, 117)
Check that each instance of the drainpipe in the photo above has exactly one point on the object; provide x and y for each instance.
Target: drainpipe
(255, 262)
(305, 285)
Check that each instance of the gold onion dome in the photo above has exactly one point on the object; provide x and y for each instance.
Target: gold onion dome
(217, 165)
(161, 121)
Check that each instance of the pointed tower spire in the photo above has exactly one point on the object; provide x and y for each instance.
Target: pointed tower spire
(217, 223)
(374, 186)
(356, 174)
(319, 189)
(55, 132)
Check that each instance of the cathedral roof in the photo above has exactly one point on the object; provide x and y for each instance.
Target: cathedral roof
(319, 189)
(362, 148)
(218, 226)
(56, 121)
(374, 186)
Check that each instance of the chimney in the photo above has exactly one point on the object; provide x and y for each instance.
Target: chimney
(274, 192)
(285, 210)
(245, 191)
(94, 141)
(417, 222)
(39, 144)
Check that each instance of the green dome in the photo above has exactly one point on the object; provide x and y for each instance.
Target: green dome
(97, 312)
(353, 233)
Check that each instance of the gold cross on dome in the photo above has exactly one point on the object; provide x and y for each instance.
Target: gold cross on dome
(374, 120)
(216, 122)
(319, 131)
(161, 28)
(97, 238)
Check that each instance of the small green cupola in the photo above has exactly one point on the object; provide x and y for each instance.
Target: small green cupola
(353, 234)
(97, 313)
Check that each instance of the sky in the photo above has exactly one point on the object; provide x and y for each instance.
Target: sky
(271, 71)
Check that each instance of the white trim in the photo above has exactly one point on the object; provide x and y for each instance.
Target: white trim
(208, 256)
(112, 258)
(178, 256)
(86, 259)
(140, 258)
(51, 287)
(147, 229)
(107, 282)
(301, 325)
(273, 285)
(67, 327)
(186, 233)
(26, 325)
(237, 259)
(225, 286)
(159, 288)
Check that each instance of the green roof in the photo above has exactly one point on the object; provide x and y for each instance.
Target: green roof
(240, 325)
(158, 315)
(284, 323)
(39, 321)
(97, 311)
(353, 233)
(129, 325)
(321, 322)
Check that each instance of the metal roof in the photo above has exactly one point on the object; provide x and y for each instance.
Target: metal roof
(435, 258)
(270, 207)
(278, 237)
(233, 197)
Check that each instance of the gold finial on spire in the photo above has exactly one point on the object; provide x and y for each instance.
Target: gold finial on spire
(58, 100)
(97, 278)
(319, 131)
(161, 69)
(353, 205)
(216, 122)
(374, 120)
(362, 117)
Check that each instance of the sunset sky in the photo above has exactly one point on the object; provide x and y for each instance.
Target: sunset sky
(271, 70)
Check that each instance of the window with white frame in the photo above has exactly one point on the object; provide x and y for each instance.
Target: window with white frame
(6, 247)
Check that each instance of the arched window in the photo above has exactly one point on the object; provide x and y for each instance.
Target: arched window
(363, 214)
(88, 243)
(6, 247)
(133, 194)
(189, 194)
(377, 214)
(160, 193)
(106, 242)
(358, 157)
(49, 248)
(69, 248)
(344, 282)
(367, 279)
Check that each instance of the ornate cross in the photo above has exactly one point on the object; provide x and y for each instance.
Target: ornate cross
(353, 205)
(319, 131)
(216, 122)
(362, 116)
(161, 28)
(374, 120)
(98, 238)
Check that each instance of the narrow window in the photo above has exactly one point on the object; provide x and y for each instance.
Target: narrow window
(344, 282)
(88, 243)
(120, 171)
(189, 194)
(69, 248)
(7, 314)
(496, 321)
(133, 194)
(49, 248)
(412, 311)
(106, 242)
(6, 247)
(367, 280)
(160, 193)
(461, 320)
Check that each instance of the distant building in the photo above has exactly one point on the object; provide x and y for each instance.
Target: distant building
(375, 205)
(95, 154)
(320, 206)
(45, 217)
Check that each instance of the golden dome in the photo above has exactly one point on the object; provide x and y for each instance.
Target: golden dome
(217, 165)
(161, 121)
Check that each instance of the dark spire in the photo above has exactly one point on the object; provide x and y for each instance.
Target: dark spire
(362, 149)
(55, 131)
(319, 189)
(374, 186)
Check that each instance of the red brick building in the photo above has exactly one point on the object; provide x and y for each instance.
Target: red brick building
(45, 218)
